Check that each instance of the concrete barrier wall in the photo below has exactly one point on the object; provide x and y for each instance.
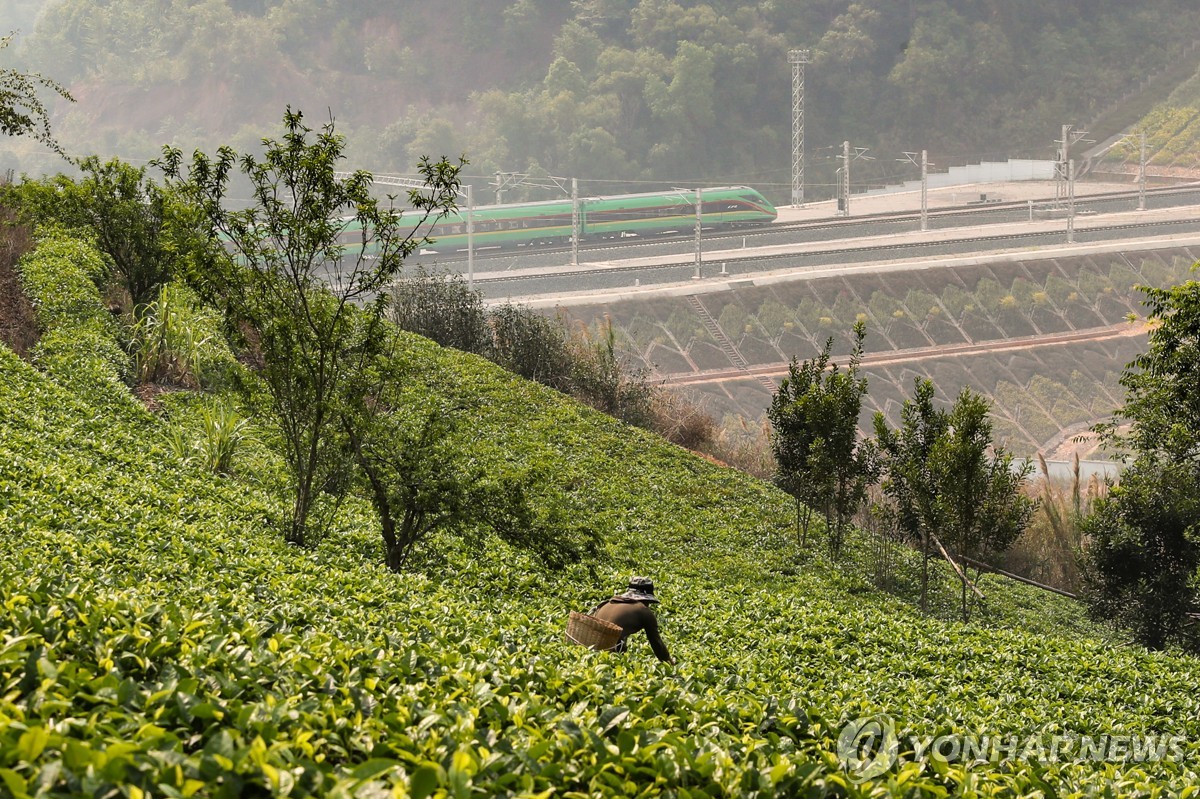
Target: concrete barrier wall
(986, 172)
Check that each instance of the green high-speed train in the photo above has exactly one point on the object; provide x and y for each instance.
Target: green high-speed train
(650, 214)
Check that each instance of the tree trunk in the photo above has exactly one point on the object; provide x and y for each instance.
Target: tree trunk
(964, 598)
(395, 557)
(393, 552)
(306, 468)
(300, 513)
(805, 512)
(925, 573)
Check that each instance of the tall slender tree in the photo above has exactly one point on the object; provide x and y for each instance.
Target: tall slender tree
(949, 483)
(820, 458)
(909, 478)
(305, 286)
(983, 508)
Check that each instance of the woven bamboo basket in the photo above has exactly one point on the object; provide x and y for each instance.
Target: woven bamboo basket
(592, 632)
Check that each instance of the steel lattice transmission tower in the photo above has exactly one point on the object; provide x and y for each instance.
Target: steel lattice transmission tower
(798, 58)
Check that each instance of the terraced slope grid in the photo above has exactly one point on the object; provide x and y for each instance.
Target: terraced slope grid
(1044, 338)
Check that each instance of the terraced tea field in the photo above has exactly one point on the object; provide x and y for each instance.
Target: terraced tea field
(160, 640)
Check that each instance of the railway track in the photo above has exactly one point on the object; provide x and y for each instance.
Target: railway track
(618, 275)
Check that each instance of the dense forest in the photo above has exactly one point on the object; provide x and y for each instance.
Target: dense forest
(622, 90)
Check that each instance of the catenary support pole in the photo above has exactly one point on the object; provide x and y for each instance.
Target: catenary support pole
(846, 178)
(924, 190)
(574, 222)
(1071, 201)
(470, 238)
(1142, 176)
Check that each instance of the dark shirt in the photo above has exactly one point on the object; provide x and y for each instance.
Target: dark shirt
(632, 615)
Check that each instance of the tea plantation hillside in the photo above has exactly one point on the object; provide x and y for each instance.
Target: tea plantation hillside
(158, 639)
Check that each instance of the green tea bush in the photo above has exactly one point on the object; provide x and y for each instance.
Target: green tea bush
(156, 639)
(61, 274)
(81, 344)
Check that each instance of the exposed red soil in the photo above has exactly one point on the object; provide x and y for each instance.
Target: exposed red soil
(18, 327)
(921, 353)
(149, 393)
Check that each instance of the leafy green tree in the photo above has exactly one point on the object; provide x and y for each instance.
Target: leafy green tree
(1141, 564)
(22, 112)
(310, 248)
(423, 481)
(820, 460)
(909, 479)
(981, 506)
(1161, 415)
(947, 481)
(1144, 552)
(138, 225)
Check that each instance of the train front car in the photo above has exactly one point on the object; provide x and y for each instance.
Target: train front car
(736, 206)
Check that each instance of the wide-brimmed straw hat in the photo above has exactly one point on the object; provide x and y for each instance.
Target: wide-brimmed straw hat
(641, 589)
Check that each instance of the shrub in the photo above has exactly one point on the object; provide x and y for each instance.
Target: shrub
(441, 307)
(681, 420)
(1144, 553)
(81, 345)
(176, 340)
(745, 445)
(531, 345)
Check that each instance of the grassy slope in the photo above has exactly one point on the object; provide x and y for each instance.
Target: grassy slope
(1171, 126)
(157, 633)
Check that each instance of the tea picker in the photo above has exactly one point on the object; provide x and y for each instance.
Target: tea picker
(610, 623)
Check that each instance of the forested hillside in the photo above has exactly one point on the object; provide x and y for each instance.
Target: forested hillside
(19, 15)
(617, 89)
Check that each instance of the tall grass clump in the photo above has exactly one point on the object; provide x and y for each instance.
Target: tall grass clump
(177, 341)
(744, 444)
(1049, 550)
(209, 436)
